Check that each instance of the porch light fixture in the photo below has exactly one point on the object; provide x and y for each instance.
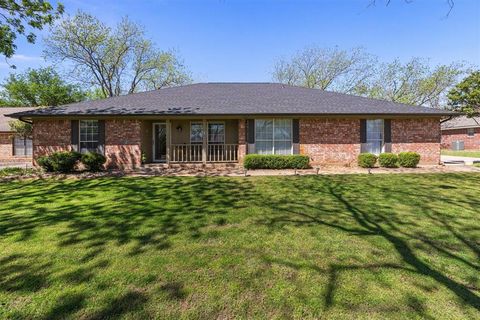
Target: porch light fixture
(179, 128)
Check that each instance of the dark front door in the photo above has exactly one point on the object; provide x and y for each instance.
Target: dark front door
(159, 142)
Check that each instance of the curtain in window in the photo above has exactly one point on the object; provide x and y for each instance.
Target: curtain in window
(375, 136)
(22, 146)
(273, 136)
(88, 136)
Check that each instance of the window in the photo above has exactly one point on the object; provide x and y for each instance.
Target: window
(22, 146)
(196, 132)
(471, 132)
(88, 136)
(216, 133)
(273, 136)
(374, 136)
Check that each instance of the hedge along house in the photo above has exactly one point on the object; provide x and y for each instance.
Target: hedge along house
(222, 122)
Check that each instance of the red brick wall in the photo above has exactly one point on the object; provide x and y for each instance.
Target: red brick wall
(470, 143)
(123, 143)
(242, 143)
(50, 136)
(6, 150)
(337, 141)
(330, 141)
(417, 135)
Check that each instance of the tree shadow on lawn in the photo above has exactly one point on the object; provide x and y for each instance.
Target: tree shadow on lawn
(367, 209)
(140, 213)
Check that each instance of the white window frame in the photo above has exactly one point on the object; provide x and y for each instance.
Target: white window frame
(472, 130)
(88, 141)
(25, 148)
(208, 132)
(190, 132)
(382, 140)
(273, 134)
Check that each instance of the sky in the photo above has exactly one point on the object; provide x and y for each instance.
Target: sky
(239, 41)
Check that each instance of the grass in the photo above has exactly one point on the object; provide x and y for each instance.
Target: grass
(16, 171)
(337, 247)
(464, 153)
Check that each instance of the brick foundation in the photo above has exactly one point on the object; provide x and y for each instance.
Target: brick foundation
(330, 141)
(123, 144)
(417, 135)
(451, 135)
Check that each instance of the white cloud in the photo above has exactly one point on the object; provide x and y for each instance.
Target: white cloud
(24, 58)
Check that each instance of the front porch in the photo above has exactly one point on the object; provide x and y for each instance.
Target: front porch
(196, 141)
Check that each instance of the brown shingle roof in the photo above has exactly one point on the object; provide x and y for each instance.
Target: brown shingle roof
(461, 122)
(236, 99)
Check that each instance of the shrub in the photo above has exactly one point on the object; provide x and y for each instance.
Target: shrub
(367, 160)
(93, 161)
(16, 171)
(64, 161)
(271, 161)
(408, 159)
(45, 163)
(388, 160)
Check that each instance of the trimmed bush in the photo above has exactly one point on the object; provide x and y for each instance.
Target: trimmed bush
(367, 160)
(388, 160)
(45, 163)
(64, 161)
(93, 161)
(273, 161)
(408, 159)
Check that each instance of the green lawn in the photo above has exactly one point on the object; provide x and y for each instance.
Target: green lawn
(336, 247)
(464, 153)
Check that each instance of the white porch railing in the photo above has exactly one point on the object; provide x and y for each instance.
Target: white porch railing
(222, 153)
(195, 153)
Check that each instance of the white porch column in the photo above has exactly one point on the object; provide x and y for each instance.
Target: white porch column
(169, 139)
(204, 148)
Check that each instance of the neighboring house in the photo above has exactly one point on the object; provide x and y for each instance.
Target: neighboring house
(463, 129)
(222, 122)
(13, 149)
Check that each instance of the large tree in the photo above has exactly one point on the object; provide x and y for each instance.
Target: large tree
(326, 68)
(415, 82)
(39, 87)
(465, 96)
(20, 17)
(118, 60)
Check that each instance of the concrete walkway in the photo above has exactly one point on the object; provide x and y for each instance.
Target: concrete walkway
(466, 160)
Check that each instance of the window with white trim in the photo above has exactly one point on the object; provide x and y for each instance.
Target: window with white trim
(273, 136)
(22, 146)
(375, 136)
(196, 132)
(88, 139)
(471, 132)
(216, 133)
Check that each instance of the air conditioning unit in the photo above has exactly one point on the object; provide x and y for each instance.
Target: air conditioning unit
(458, 145)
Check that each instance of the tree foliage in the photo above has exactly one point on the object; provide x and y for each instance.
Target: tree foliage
(39, 87)
(16, 17)
(414, 82)
(118, 60)
(21, 128)
(326, 68)
(465, 96)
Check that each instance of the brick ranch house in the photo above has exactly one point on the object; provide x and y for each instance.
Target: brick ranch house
(463, 129)
(13, 149)
(222, 122)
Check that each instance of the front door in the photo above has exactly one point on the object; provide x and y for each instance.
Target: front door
(159, 142)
